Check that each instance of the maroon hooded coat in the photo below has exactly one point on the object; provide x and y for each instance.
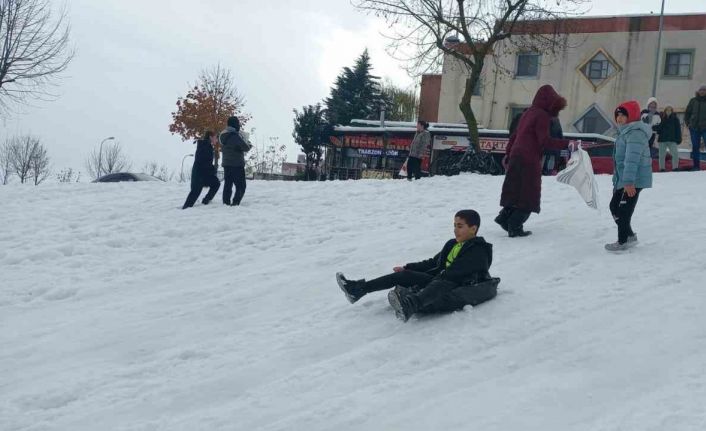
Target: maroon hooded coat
(523, 179)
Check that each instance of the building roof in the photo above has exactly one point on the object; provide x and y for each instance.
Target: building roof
(613, 24)
(373, 126)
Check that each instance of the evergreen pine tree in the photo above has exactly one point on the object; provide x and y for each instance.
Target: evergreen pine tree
(309, 134)
(356, 94)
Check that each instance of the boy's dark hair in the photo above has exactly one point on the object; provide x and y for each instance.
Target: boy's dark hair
(424, 124)
(471, 217)
(234, 122)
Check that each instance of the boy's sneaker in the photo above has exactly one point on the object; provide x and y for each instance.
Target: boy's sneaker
(616, 246)
(206, 201)
(353, 289)
(402, 302)
(632, 240)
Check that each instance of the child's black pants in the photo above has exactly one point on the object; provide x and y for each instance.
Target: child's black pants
(622, 207)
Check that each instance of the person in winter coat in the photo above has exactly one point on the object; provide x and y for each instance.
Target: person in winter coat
(203, 173)
(417, 150)
(695, 120)
(551, 156)
(456, 276)
(521, 193)
(234, 145)
(515, 122)
(669, 134)
(652, 118)
(632, 171)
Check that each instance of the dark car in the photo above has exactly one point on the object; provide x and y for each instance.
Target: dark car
(117, 177)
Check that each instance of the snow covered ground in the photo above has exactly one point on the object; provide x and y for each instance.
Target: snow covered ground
(120, 311)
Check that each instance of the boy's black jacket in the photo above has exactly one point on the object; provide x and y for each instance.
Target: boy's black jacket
(470, 266)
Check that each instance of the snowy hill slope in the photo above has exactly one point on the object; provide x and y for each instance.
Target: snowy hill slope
(119, 311)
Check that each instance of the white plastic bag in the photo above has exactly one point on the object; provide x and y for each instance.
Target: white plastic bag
(403, 169)
(579, 174)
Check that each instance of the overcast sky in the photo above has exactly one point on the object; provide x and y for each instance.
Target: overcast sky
(134, 58)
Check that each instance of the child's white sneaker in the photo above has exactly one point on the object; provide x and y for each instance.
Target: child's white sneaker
(616, 246)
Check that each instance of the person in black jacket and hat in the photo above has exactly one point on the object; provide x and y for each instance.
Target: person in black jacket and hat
(203, 173)
(455, 277)
(234, 145)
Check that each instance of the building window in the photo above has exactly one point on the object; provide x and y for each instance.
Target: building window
(677, 64)
(593, 121)
(599, 69)
(476, 89)
(527, 65)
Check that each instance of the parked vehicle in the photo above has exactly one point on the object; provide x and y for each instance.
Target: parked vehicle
(118, 177)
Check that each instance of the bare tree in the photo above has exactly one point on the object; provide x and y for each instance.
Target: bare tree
(112, 160)
(403, 102)
(158, 171)
(423, 31)
(219, 84)
(68, 176)
(33, 49)
(39, 164)
(5, 163)
(28, 159)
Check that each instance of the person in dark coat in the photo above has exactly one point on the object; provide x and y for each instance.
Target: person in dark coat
(456, 276)
(203, 173)
(669, 133)
(417, 149)
(551, 156)
(516, 122)
(652, 117)
(234, 145)
(695, 120)
(522, 188)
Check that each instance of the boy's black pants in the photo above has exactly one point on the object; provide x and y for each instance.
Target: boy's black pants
(622, 207)
(233, 175)
(414, 167)
(198, 182)
(433, 294)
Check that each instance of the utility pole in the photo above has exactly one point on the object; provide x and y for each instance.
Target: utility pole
(659, 48)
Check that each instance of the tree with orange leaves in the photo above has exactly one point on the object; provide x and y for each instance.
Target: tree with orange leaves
(207, 106)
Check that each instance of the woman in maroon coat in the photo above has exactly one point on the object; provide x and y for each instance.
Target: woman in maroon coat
(523, 178)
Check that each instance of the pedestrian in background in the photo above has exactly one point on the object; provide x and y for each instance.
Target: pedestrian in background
(234, 144)
(695, 120)
(417, 150)
(203, 173)
(669, 138)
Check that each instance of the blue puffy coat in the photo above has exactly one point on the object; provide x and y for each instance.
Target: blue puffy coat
(632, 163)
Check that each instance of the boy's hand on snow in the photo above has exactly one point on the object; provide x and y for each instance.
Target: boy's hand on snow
(398, 269)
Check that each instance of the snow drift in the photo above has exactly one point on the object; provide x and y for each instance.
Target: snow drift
(120, 311)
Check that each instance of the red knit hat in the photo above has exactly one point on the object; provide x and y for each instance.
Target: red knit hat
(631, 109)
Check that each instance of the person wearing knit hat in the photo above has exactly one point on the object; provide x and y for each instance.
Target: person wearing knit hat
(234, 144)
(695, 120)
(669, 137)
(652, 118)
(522, 187)
(632, 171)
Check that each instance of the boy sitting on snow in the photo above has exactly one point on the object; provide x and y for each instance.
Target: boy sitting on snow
(456, 276)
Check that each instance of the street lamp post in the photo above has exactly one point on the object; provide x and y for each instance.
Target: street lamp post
(181, 176)
(657, 54)
(100, 155)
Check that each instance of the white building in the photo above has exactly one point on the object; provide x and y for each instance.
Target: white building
(611, 59)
